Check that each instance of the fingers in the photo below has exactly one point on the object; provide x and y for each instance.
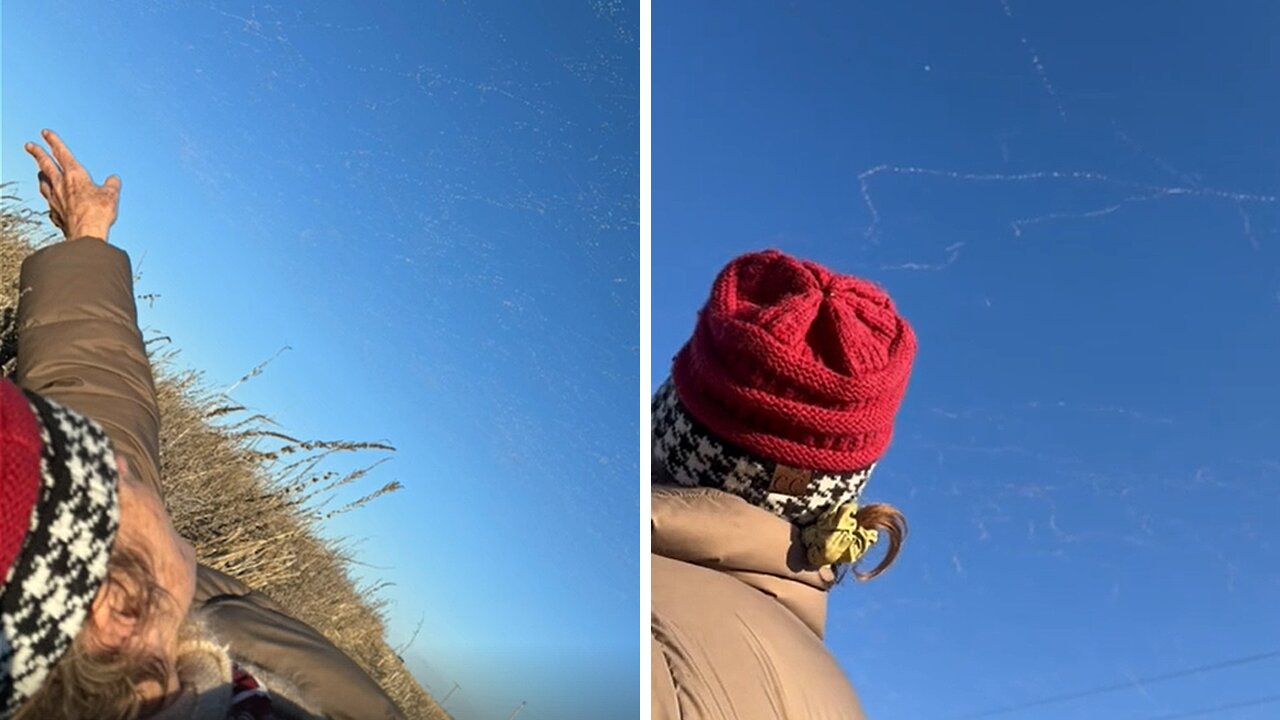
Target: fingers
(48, 169)
(46, 187)
(55, 217)
(77, 206)
(69, 164)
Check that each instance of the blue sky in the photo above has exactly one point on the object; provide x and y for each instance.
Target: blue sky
(1087, 450)
(435, 205)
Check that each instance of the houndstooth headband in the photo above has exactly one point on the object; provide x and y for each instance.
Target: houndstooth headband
(693, 457)
(52, 581)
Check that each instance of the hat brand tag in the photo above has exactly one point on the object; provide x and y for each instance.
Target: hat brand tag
(788, 480)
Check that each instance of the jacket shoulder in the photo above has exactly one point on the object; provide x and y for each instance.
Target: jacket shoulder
(320, 676)
(731, 651)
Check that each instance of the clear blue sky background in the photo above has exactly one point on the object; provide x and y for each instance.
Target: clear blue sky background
(1087, 453)
(435, 204)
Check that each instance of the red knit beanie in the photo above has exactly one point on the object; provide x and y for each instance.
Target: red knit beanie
(59, 513)
(20, 449)
(797, 364)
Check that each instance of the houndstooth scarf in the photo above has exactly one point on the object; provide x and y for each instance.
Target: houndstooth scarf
(48, 590)
(692, 456)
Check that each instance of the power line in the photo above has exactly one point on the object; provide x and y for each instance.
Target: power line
(1232, 706)
(1053, 699)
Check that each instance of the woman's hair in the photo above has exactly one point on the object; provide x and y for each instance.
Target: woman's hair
(883, 518)
(95, 683)
(887, 520)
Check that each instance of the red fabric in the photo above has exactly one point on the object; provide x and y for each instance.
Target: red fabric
(19, 471)
(249, 700)
(796, 363)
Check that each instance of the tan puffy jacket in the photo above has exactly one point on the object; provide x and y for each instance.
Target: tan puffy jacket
(79, 344)
(737, 619)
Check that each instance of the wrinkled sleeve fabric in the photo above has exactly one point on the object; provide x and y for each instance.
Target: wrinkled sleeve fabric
(664, 705)
(79, 345)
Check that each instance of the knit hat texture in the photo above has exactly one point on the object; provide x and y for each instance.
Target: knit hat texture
(58, 518)
(787, 391)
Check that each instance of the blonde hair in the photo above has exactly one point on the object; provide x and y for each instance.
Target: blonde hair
(95, 683)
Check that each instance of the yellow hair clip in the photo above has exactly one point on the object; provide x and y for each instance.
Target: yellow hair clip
(837, 538)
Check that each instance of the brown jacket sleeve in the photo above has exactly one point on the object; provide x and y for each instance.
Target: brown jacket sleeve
(79, 345)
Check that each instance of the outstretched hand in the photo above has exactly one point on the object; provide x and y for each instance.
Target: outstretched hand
(77, 206)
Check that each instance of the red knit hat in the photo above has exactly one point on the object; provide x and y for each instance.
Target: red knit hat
(797, 364)
(59, 513)
(20, 449)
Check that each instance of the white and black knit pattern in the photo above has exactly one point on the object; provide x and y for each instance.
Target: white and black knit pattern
(46, 595)
(693, 457)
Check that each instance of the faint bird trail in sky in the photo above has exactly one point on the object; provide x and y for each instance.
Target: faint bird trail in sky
(1187, 179)
(1146, 192)
(1019, 224)
(953, 254)
(1038, 65)
(1138, 685)
(1247, 225)
(1164, 165)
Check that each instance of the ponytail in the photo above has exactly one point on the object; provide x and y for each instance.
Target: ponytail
(889, 522)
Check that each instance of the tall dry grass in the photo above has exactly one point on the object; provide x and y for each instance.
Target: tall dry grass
(249, 497)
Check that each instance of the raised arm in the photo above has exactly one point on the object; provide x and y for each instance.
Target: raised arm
(78, 337)
(79, 344)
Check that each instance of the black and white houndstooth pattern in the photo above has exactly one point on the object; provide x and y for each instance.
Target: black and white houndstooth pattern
(46, 596)
(693, 457)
